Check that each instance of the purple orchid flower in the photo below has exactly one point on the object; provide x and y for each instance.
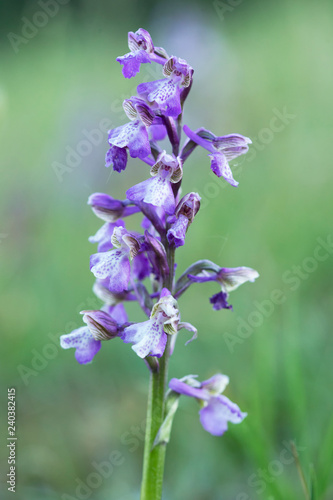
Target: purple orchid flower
(149, 337)
(223, 149)
(229, 279)
(101, 325)
(115, 264)
(158, 191)
(142, 51)
(185, 212)
(165, 94)
(216, 410)
(132, 135)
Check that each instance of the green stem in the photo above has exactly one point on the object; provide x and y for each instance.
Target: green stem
(153, 459)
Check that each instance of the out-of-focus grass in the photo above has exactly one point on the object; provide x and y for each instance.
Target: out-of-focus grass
(69, 416)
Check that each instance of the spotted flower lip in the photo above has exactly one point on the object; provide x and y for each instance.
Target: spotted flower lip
(86, 347)
(115, 264)
(132, 136)
(230, 278)
(222, 150)
(216, 410)
(149, 337)
(165, 94)
(158, 191)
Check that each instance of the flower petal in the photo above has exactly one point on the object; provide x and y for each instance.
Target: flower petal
(182, 388)
(84, 343)
(215, 416)
(177, 232)
(117, 157)
(232, 277)
(219, 301)
(146, 337)
(220, 167)
(132, 61)
(115, 265)
(133, 135)
(165, 94)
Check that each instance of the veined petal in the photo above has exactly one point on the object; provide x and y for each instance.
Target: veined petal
(232, 277)
(236, 143)
(101, 325)
(83, 342)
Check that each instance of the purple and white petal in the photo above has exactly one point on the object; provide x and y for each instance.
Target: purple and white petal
(232, 277)
(163, 94)
(158, 351)
(133, 135)
(86, 347)
(220, 166)
(215, 416)
(145, 336)
(114, 265)
(156, 191)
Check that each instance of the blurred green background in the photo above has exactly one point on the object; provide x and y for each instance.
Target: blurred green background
(253, 61)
